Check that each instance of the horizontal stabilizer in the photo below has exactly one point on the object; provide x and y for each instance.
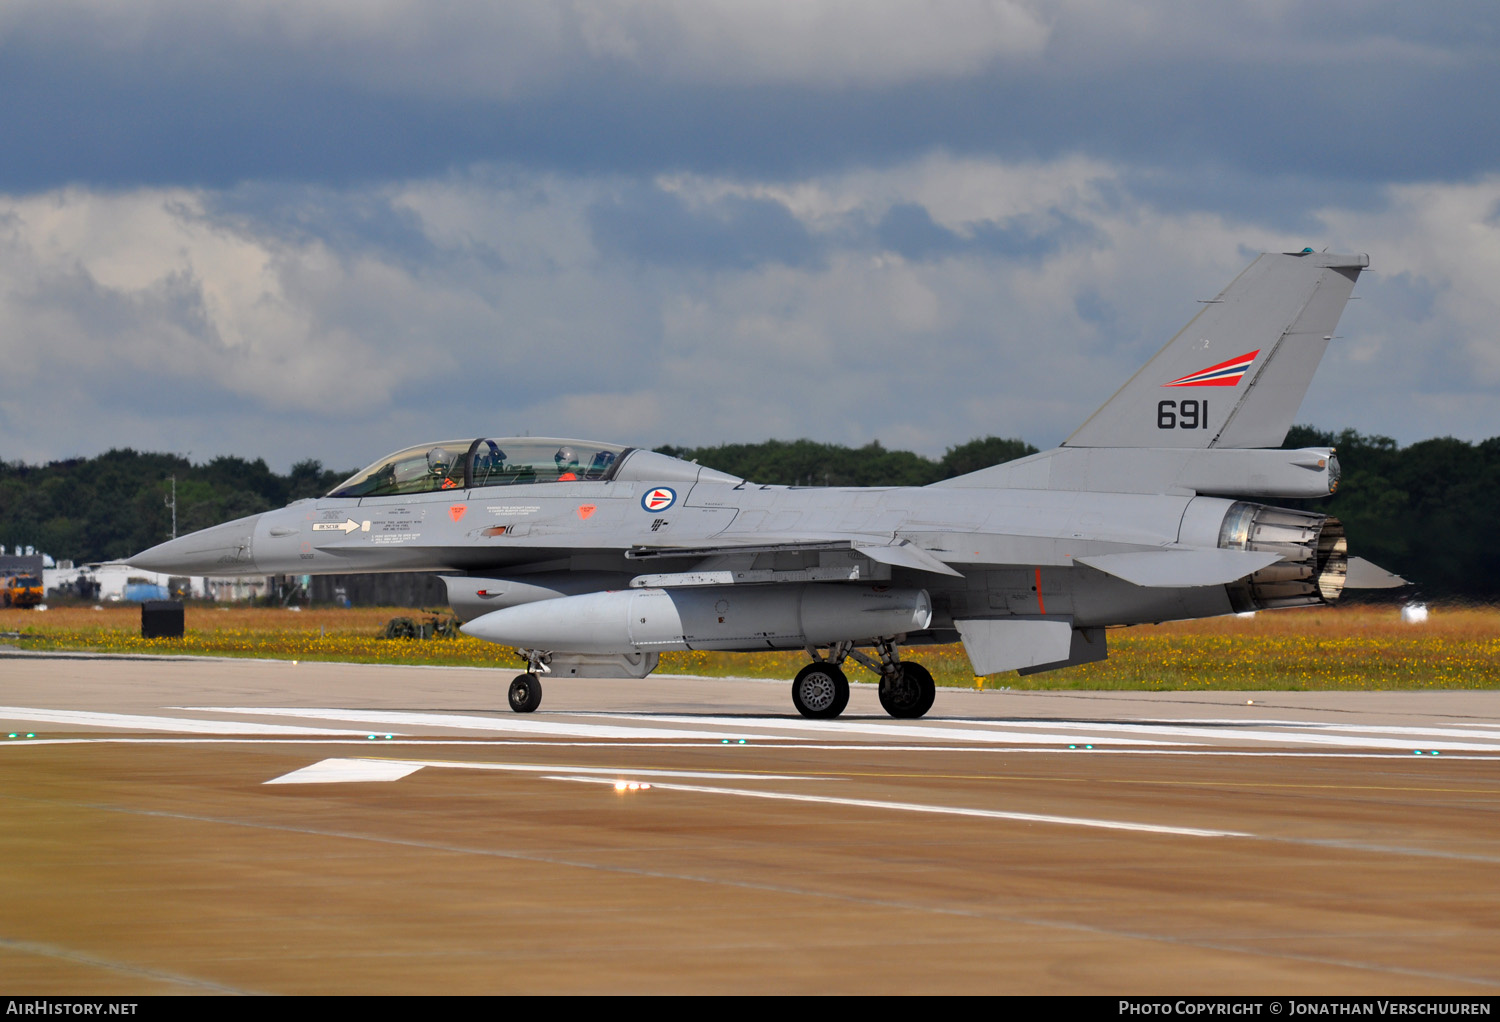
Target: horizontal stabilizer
(1008, 644)
(1181, 569)
(1364, 575)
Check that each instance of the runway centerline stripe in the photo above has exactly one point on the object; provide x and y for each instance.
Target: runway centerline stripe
(918, 807)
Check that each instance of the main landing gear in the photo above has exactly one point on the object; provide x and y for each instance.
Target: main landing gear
(821, 690)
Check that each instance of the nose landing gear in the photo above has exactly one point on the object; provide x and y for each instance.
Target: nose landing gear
(526, 690)
(525, 693)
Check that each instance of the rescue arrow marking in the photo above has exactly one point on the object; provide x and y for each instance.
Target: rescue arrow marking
(347, 526)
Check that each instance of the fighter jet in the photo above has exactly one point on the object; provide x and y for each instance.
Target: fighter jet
(591, 559)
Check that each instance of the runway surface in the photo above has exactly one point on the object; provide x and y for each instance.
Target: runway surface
(197, 825)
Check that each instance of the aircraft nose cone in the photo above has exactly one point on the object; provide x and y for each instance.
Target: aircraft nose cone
(223, 549)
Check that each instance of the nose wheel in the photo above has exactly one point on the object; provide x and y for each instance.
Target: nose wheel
(525, 693)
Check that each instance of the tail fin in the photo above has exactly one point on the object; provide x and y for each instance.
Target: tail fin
(1236, 375)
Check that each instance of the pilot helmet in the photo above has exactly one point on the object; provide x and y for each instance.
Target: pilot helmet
(565, 456)
(437, 461)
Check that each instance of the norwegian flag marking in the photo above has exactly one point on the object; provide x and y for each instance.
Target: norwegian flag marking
(1225, 374)
(659, 499)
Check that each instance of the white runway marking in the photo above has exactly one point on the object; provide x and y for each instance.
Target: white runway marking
(917, 807)
(1143, 736)
(511, 723)
(934, 731)
(183, 725)
(348, 769)
(331, 771)
(359, 739)
(1457, 729)
(339, 771)
(1316, 735)
(1070, 732)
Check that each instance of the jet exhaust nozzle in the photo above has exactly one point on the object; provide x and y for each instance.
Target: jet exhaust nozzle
(1314, 563)
(708, 618)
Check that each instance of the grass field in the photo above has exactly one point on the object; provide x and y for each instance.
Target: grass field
(1343, 648)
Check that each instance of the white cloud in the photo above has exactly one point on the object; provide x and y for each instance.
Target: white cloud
(185, 325)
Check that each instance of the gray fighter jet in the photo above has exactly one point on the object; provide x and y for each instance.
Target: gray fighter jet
(592, 558)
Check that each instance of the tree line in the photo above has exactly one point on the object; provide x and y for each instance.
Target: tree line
(1425, 511)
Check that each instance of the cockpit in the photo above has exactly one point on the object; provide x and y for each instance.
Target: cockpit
(501, 461)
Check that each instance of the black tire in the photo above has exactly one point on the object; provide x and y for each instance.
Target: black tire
(923, 679)
(820, 691)
(910, 694)
(525, 693)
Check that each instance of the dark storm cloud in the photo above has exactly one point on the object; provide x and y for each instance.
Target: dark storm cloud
(908, 229)
(650, 224)
(536, 228)
(199, 108)
(347, 221)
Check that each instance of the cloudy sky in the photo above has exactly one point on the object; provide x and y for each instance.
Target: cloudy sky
(292, 228)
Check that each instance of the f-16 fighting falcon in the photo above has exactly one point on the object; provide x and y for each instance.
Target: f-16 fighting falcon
(590, 559)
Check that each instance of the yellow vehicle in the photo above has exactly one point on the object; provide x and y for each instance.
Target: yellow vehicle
(20, 591)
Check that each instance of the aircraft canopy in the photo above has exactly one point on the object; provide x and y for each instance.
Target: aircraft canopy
(499, 461)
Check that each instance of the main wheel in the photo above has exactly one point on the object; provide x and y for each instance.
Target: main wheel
(910, 693)
(820, 690)
(924, 681)
(525, 693)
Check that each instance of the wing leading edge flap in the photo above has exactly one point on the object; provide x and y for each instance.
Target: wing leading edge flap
(905, 555)
(1008, 644)
(1181, 569)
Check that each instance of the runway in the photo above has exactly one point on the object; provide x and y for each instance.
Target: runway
(194, 825)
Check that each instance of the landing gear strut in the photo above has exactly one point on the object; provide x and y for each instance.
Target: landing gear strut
(820, 690)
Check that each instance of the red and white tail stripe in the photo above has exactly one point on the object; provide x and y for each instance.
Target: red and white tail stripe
(1225, 374)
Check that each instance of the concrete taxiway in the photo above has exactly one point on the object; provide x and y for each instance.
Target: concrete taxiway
(192, 825)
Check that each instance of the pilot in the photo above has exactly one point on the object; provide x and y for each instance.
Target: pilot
(438, 465)
(567, 465)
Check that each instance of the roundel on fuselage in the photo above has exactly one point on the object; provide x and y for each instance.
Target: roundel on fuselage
(659, 499)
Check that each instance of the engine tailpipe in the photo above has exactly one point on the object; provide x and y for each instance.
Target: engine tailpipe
(1314, 561)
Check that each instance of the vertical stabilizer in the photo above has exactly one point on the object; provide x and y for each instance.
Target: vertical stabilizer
(1236, 375)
